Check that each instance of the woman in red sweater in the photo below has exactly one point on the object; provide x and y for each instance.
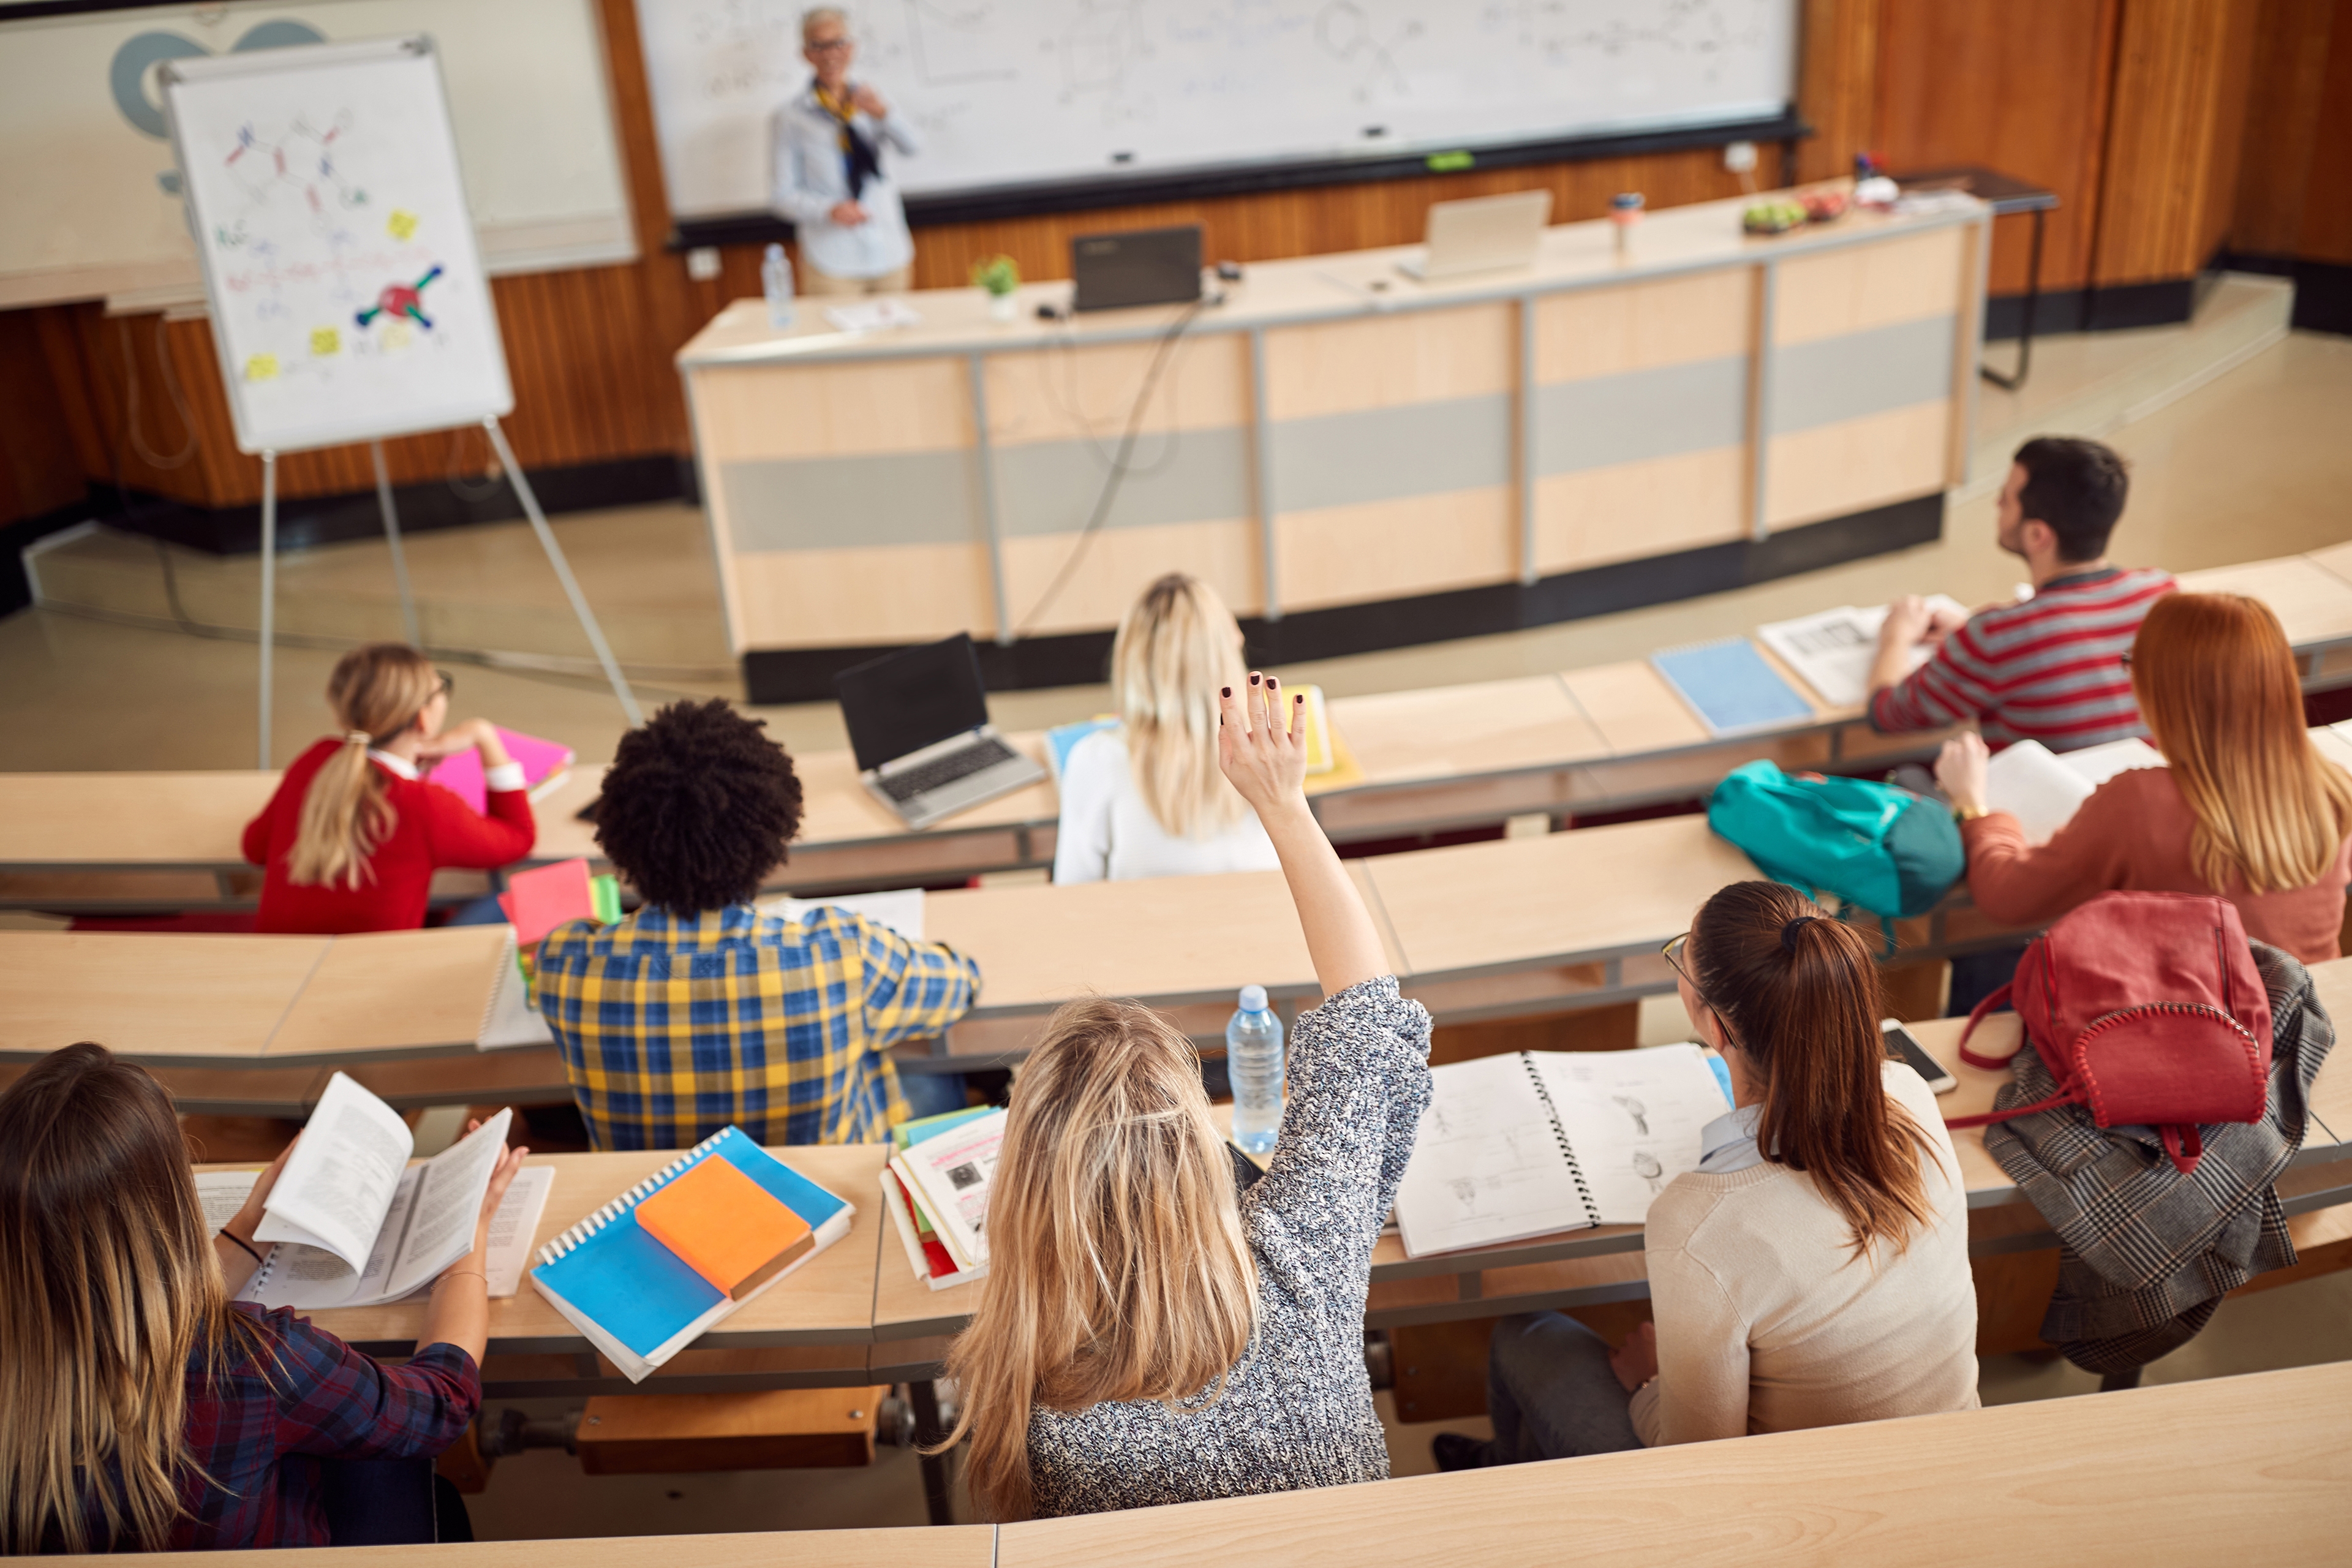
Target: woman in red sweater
(2245, 807)
(354, 833)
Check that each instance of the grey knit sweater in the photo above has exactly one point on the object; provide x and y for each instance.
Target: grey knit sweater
(1296, 1410)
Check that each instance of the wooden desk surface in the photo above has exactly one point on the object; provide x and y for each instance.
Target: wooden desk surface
(1496, 726)
(148, 996)
(388, 991)
(2313, 602)
(1175, 938)
(2088, 1480)
(2335, 557)
(828, 1302)
(1510, 902)
(938, 1546)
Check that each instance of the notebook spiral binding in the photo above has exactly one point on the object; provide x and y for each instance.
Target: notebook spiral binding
(1575, 1170)
(625, 1201)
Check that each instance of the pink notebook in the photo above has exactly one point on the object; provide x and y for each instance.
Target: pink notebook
(538, 901)
(461, 775)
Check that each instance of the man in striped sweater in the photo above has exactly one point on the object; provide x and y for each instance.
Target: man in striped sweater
(2049, 667)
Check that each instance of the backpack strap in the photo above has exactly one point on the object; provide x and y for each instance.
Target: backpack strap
(2184, 1142)
(1987, 1118)
(1990, 1064)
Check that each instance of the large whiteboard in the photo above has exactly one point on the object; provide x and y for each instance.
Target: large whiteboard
(90, 190)
(347, 294)
(1014, 93)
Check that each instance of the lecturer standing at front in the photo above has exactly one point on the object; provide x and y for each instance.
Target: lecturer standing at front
(830, 179)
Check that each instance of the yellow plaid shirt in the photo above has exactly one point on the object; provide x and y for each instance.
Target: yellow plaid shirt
(673, 1027)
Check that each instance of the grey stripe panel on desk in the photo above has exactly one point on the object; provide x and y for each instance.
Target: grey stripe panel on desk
(1665, 412)
(843, 503)
(1831, 380)
(1173, 476)
(1387, 454)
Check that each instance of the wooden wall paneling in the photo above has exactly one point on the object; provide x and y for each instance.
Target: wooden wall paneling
(2172, 138)
(2327, 228)
(2289, 69)
(38, 472)
(69, 383)
(2021, 88)
(1837, 72)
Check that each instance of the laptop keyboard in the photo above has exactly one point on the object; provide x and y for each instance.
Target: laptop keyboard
(972, 759)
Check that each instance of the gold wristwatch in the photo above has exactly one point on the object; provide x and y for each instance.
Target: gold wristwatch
(1967, 812)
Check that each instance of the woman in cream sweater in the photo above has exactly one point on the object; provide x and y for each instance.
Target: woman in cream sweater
(1814, 1269)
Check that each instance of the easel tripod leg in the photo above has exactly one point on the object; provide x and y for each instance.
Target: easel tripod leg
(268, 590)
(563, 573)
(391, 538)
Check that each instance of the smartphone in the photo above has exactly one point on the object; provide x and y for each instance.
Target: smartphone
(1900, 1045)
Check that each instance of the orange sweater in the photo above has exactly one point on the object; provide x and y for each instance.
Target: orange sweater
(2134, 834)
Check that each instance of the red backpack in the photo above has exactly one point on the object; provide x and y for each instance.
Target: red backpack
(2147, 1008)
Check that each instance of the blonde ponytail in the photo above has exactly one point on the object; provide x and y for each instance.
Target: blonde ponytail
(376, 691)
(1175, 649)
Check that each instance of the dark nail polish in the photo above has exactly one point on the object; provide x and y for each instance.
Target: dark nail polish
(1253, 680)
(1227, 691)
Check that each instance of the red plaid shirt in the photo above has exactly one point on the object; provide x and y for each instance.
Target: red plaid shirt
(257, 1431)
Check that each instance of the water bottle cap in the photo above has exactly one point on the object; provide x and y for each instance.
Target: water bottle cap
(1253, 998)
(775, 248)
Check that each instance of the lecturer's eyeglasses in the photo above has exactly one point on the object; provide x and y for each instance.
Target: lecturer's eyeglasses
(826, 45)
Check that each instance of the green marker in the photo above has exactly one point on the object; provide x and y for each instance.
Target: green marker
(1449, 162)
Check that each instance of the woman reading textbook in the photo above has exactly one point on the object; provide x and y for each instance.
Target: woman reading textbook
(1144, 798)
(2245, 806)
(352, 836)
(1144, 1334)
(140, 1407)
(1813, 1270)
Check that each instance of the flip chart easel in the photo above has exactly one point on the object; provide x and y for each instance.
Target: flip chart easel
(348, 298)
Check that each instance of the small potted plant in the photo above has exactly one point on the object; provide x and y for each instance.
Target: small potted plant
(1000, 277)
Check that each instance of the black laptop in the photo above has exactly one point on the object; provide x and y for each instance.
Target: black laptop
(919, 725)
(1141, 267)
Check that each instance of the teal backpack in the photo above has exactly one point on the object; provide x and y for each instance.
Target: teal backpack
(1876, 847)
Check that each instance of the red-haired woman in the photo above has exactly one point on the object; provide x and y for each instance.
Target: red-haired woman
(2245, 807)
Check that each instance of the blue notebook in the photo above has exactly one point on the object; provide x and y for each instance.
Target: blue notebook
(632, 1297)
(1731, 688)
(1063, 739)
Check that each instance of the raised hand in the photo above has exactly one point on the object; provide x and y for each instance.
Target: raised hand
(1262, 745)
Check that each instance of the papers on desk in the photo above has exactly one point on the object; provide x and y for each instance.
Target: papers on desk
(872, 315)
(1731, 688)
(223, 1193)
(1833, 650)
(900, 909)
(355, 1224)
(1523, 1145)
(2043, 789)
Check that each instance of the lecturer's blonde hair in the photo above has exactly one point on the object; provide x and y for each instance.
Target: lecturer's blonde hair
(1176, 648)
(376, 692)
(110, 1292)
(1116, 1267)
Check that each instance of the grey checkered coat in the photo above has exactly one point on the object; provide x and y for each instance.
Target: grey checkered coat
(2148, 1253)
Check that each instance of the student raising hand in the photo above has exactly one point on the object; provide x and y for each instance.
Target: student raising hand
(1262, 747)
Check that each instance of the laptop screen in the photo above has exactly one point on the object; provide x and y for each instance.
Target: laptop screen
(915, 698)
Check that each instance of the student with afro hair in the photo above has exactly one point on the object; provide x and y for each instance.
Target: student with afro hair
(698, 1010)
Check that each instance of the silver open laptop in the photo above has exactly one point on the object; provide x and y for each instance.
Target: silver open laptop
(1485, 233)
(919, 725)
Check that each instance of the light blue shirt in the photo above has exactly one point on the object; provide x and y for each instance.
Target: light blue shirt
(811, 176)
(1727, 1143)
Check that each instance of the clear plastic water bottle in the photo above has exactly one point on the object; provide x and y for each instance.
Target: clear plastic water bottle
(776, 282)
(1254, 1065)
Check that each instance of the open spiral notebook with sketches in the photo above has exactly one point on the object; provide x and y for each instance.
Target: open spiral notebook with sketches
(1538, 1141)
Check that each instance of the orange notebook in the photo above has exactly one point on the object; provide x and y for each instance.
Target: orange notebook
(725, 1226)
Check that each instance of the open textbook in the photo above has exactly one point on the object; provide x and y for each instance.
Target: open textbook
(355, 1225)
(1527, 1144)
(2043, 789)
(1833, 650)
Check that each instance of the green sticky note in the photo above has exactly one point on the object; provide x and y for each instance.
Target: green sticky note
(605, 895)
(1449, 162)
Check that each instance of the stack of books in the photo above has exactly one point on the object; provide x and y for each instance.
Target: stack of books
(936, 1188)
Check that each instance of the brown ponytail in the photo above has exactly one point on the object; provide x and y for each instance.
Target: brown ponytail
(376, 691)
(1799, 993)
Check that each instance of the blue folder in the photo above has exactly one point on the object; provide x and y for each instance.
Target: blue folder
(1730, 687)
(622, 1289)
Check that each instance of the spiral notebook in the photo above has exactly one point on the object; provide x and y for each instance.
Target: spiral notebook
(1523, 1145)
(638, 1301)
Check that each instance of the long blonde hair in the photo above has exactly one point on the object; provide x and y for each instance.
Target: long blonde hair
(2216, 682)
(376, 691)
(108, 1287)
(1118, 1269)
(1176, 647)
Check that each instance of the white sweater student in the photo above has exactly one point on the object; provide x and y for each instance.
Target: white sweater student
(1145, 799)
(1813, 1271)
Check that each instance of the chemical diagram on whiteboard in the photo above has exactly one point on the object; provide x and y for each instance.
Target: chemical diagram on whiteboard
(1701, 27)
(1098, 50)
(953, 43)
(402, 300)
(1347, 32)
(299, 163)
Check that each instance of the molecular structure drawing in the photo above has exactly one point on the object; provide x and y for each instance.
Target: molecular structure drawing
(299, 162)
(402, 300)
(1346, 33)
